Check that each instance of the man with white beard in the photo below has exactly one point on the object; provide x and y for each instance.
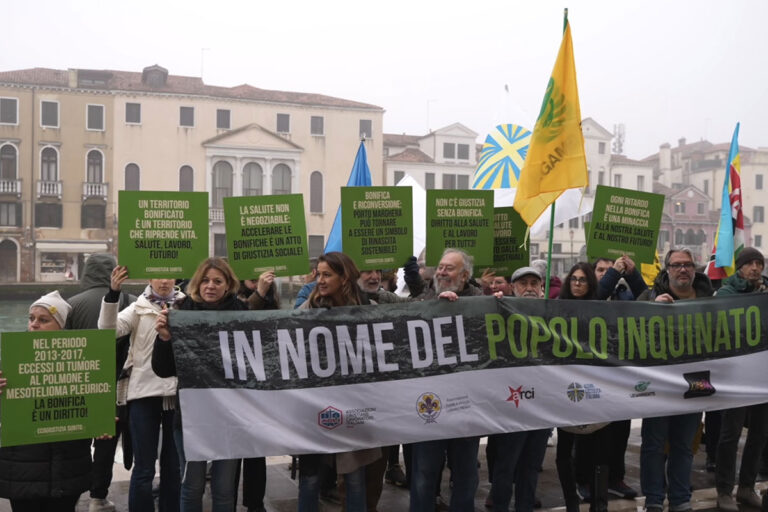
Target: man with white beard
(451, 281)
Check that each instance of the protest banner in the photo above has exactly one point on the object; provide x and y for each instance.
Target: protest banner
(460, 219)
(266, 233)
(377, 226)
(162, 234)
(509, 249)
(624, 222)
(259, 383)
(61, 386)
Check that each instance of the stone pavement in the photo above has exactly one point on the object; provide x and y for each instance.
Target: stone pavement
(282, 491)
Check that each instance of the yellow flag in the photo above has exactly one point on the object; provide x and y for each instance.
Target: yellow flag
(555, 160)
(651, 270)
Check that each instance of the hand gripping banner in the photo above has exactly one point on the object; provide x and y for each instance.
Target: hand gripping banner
(261, 383)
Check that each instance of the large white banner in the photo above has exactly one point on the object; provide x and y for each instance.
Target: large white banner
(271, 383)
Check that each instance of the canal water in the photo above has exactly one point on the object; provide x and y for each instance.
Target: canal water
(13, 315)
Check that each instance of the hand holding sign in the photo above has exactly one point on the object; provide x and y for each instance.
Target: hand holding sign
(3, 383)
(118, 277)
(161, 325)
(265, 282)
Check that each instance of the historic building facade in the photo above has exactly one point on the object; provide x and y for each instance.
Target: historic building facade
(71, 139)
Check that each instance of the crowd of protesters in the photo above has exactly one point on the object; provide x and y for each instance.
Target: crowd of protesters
(589, 460)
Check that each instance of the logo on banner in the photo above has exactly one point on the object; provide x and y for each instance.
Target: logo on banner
(641, 389)
(698, 384)
(576, 392)
(429, 407)
(517, 394)
(330, 418)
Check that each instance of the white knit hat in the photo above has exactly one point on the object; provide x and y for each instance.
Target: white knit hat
(55, 305)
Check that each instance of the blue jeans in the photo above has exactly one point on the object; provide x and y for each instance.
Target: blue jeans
(427, 461)
(309, 485)
(146, 416)
(519, 456)
(223, 481)
(679, 431)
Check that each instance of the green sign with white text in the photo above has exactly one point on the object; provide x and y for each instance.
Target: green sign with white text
(624, 222)
(377, 226)
(61, 386)
(460, 219)
(162, 234)
(509, 251)
(266, 233)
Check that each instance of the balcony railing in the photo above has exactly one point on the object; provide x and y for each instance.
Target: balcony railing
(10, 187)
(47, 188)
(216, 215)
(94, 190)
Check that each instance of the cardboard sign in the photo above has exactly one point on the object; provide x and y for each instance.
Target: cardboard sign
(509, 254)
(61, 386)
(624, 222)
(162, 234)
(266, 233)
(377, 226)
(460, 219)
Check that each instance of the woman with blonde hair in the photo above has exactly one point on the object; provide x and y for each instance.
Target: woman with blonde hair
(213, 287)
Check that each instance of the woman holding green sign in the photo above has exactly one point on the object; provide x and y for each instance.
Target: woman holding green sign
(150, 398)
(45, 477)
(213, 287)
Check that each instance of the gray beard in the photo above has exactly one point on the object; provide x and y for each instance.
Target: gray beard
(448, 287)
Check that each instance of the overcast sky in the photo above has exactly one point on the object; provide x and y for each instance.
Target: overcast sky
(666, 69)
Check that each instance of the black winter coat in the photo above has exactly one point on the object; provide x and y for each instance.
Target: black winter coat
(46, 470)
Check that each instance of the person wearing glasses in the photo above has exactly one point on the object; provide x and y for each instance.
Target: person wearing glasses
(589, 468)
(678, 281)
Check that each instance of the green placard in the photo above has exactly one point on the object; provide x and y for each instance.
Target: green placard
(624, 222)
(162, 234)
(460, 219)
(266, 233)
(377, 226)
(61, 386)
(509, 253)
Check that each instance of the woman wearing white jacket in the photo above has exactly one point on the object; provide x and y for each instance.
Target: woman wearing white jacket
(150, 398)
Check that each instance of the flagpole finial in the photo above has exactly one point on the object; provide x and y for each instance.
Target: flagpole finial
(565, 18)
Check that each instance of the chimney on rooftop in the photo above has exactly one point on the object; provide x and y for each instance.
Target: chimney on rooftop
(681, 142)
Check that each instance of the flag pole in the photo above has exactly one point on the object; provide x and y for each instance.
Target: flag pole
(552, 210)
(549, 252)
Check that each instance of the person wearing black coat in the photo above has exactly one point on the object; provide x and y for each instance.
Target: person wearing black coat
(212, 288)
(45, 477)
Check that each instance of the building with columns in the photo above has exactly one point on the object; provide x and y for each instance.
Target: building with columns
(71, 139)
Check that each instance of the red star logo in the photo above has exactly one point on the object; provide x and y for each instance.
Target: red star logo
(514, 395)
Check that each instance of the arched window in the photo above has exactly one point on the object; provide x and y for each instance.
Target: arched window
(690, 237)
(253, 180)
(8, 162)
(281, 180)
(49, 165)
(701, 237)
(316, 192)
(678, 237)
(222, 183)
(132, 177)
(95, 167)
(186, 179)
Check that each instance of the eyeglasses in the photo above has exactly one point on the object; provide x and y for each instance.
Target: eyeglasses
(579, 280)
(678, 266)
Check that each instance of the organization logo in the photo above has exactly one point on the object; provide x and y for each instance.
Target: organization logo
(577, 392)
(517, 394)
(641, 389)
(429, 407)
(699, 384)
(330, 418)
